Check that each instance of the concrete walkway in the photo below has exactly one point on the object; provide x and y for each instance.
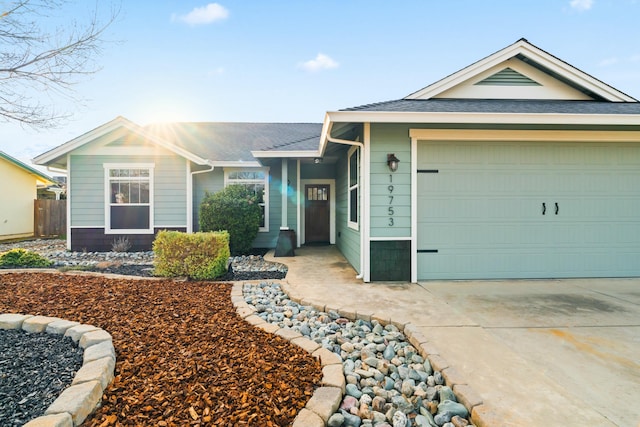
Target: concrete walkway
(538, 353)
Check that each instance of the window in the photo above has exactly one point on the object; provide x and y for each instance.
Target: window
(257, 181)
(353, 173)
(129, 192)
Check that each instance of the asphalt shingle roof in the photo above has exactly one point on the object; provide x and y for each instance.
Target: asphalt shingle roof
(500, 106)
(227, 141)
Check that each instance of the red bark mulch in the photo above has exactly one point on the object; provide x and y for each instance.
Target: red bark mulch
(184, 357)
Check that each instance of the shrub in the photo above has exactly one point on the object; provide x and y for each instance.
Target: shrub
(199, 256)
(23, 258)
(236, 210)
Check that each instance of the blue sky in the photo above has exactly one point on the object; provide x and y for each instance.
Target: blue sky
(291, 61)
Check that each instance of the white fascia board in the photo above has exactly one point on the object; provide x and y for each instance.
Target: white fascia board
(492, 118)
(114, 124)
(522, 47)
(325, 134)
(574, 74)
(234, 164)
(290, 154)
(69, 146)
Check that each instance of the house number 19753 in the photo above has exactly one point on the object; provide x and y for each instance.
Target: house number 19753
(390, 210)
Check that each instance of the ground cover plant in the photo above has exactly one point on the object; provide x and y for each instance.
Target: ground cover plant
(16, 258)
(184, 357)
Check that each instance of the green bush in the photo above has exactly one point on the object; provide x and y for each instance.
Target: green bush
(199, 256)
(235, 209)
(23, 258)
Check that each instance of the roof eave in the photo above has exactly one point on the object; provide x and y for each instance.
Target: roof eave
(493, 118)
(287, 154)
(45, 179)
(234, 163)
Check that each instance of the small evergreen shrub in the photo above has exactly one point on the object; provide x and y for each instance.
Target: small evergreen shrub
(23, 258)
(236, 210)
(198, 256)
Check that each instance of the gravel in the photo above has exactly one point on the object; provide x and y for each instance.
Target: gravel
(34, 370)
(248, 267)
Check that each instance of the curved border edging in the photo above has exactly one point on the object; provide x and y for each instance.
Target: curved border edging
(324, 403)
(84, 394)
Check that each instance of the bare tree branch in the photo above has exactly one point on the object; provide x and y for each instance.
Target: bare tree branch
(40, 58)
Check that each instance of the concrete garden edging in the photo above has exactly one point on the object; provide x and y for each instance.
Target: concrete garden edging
(84, 394)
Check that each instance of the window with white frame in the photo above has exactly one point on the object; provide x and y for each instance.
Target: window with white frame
(257, 180)
(353, 174)
(129, 198)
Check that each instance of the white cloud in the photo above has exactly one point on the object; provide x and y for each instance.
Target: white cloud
(608, 61)
(203, 15)
(581, 5)
(321, 62)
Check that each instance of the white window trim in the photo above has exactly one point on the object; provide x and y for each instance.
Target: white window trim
(107, 197)
(228, 182)
(353, 151)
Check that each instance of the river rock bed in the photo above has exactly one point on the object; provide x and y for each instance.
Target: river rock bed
(245, 267)
(389, 384)
(34, 370)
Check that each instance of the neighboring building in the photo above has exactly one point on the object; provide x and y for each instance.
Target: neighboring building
(20, 187)
(517, 166)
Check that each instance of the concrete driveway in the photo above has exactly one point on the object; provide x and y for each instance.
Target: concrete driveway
(577, 338)
(538, 352)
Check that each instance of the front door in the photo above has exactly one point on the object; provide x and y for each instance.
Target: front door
(316, 216)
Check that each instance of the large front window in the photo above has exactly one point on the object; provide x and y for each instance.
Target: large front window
(129, 192)
(257, 181)
(353, 173)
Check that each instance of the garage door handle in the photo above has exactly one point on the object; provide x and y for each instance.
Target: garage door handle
(544, 208)
(557, 208)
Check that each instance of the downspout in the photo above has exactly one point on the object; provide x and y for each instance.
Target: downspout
(190, 194)
(359, 145)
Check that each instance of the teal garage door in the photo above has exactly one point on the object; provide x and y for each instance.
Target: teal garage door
(528, 210)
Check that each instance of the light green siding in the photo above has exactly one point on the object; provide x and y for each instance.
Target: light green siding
(87, 188)
(269, 239)
(170, 191)
(390, 191)
(347, 239)
(203, 183)
(317, 171)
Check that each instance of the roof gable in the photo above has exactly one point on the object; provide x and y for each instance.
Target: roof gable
(57, 156)
(556, 79)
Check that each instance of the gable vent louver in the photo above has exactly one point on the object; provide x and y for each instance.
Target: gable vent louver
(508, 77)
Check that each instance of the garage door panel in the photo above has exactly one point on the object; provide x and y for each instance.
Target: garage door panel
(484, 215)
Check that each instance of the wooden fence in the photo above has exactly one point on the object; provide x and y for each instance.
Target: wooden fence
(49, 218)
